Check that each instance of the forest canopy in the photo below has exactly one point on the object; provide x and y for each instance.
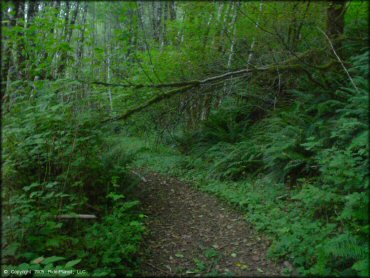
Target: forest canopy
(263, 104)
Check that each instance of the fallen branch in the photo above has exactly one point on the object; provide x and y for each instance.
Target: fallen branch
(154, 100)
(288, 65)
(76, 216)
(295, 59)
(137, 86)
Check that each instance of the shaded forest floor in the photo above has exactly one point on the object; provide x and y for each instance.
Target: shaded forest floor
(194, 233)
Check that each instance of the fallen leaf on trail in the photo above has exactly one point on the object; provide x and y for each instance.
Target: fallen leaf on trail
(241, 265)
(179, 255)
(233, 255)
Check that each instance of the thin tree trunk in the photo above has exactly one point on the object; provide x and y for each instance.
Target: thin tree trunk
(8, 61)
(80, 46)
(233, 27)
(172, 7)
(20, 48)
(218, 20)
(228, 89)
(230, 7)
(208, 29)
(73, 22)
(7, 44)
(335, 22)
(254, 38)
(164, 27)
(68, 35)
(32, 11)
(180, 34)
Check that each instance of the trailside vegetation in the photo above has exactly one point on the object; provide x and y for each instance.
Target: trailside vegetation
(264, 104)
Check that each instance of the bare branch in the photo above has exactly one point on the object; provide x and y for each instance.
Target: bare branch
(339, 59)
(192, 84)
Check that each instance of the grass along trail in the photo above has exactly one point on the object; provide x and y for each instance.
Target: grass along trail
(193, 233)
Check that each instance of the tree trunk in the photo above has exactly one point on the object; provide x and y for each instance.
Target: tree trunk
(20, 57)
(164, 27)
(68, 31)
(335, 22)
(254, 38)
(172, 10)
(32, 11)
(233, 30)
(8, 59)
(80, 45)
(108, 61)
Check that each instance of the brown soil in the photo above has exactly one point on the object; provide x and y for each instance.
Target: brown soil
(194, 234)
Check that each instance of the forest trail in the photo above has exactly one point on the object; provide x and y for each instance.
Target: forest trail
(193, 233)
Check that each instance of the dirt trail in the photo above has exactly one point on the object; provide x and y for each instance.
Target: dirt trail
(193, 233)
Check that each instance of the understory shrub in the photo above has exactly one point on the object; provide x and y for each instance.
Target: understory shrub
(57, 163)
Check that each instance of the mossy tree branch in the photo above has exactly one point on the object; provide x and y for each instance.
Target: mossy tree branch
(187, 85)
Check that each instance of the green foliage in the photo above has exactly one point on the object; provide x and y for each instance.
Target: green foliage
(241, 159)
(301, 179)
(31, 230)
(44, 267)
(57, 163)
(46, 138)
(111, 245)
(289, 148)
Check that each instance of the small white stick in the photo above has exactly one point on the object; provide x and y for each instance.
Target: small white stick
(140, 176)
(340, 61)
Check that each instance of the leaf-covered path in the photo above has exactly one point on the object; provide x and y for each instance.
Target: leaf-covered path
(194, 233)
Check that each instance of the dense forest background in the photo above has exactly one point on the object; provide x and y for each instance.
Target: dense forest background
(264, 104)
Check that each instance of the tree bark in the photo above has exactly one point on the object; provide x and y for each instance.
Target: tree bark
(335, 22)
(80, 45)
(172, 10)
(32, 11)
(20, 48)
(68, 31)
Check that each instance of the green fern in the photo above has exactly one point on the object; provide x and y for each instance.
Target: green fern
(347, 246)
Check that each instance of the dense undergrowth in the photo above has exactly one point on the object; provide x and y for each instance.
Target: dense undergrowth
(300, 173)
(287, 143)
(56, 162)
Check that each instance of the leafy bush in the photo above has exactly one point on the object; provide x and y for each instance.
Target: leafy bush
(30, 228)
(57, 163)
(112, 244)
(44, 267)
